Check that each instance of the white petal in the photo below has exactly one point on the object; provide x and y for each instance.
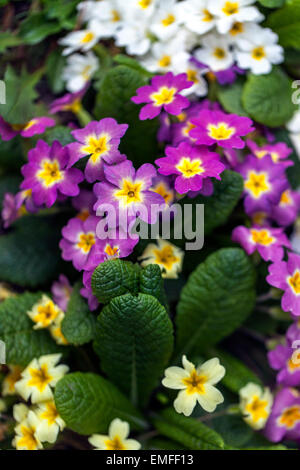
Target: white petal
(118, 428)
(213, 370)
(185, 403)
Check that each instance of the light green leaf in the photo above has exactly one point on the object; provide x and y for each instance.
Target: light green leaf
(8, 39)
(272, 3)
(23, 343)
(113, 278)
(286, 23)
(268, 98)
(134, 340)
(78, 326)
(218, 296)
(189, 432)
(88, 403)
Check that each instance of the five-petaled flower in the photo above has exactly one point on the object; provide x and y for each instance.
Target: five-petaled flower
(166, 255)
(44, 313)
(216, 127)
(39, 377)
(100, 140)
(163, 93)
(195, 385)
(255, 405)
(35, 126)
(48, 174)
(191, 165)
(26, 437)
(117, 438)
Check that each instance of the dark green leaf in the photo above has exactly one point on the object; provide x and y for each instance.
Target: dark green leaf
(151, 283)
(230, 97)
(35, 28)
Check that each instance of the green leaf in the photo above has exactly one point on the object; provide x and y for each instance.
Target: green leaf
(235, 431)
(187, 431)
(29, 254)
(8, 39)
(54, 70)
(78, 326)
(122, 59)
(23, 343)
(293, 172)
(11, 155)
(113, 278)
(60, 133)
(35, 28)
(151, 283)
(20, 95)
(268, 98)
(134, 340)
(220, 205)
(88, 403)
(237, 374)
(286, 23)
(218, 296)
(272, 3)
(230, 96)
(113, 100)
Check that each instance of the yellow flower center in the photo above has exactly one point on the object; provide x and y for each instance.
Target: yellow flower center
(86, 241)
(168, 20)
(237, 28)
(166, 257)
(219, 53)
(50, 173)
(115, 444)
(96, 147)
(130, 192)
(50, 414)
(46, 314)
(294, 362)
(257, 408)
(289, 417)
(165, 61)
(88, 37)
(144, 3)
(162, 189)
(187, 128)
(28, 439)
(164, 95)
(115, 16)
(258, 53)
(285, 199)
(231, 8)
(12, 377)
(262, 237)
(190, 168)
(294, 282)
(192, 75)
(207, 16)
(181, 117)
(83, 215)
(195, 383)
(259, 218)
(220, 132)
(40, 378)
(112, 251)
(257, 184)
(73, 107)
(29, 124)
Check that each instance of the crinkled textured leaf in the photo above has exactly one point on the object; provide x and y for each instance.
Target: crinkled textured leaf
(78, 325)
(29, 254)
(217, 298)
(88, 403)
(268, 98)
(151, 283)
(286, 23)
(23, 343)
(113, 278)
(219, 206)
(113, 100)
(187, 431)
(134, 340)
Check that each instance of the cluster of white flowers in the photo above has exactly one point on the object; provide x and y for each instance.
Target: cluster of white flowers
(173, 35)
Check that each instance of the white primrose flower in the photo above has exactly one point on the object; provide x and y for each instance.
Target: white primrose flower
(229, 12)
(166, 20)
(44, 313)
(107, 17)
(50, 423)
(163, 56)
(117, 438)
(26, 430)
(38, 378)
(196, 16)
(194, 74)
(215, 52)
(141, 7)
(255, 404)
(195, 385)
(134, 34)
(86, 10)
(168, 257)
(81, 40)
(79, 70)
(258, 50)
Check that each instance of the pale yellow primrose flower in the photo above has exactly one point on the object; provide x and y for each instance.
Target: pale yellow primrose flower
(55, 330)
(168, 257)
(38, 378)
(44, 313)
(26, 429)
(195, 385)
(255, 404)
(8, 384)
(117, 438)
(50, 423)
